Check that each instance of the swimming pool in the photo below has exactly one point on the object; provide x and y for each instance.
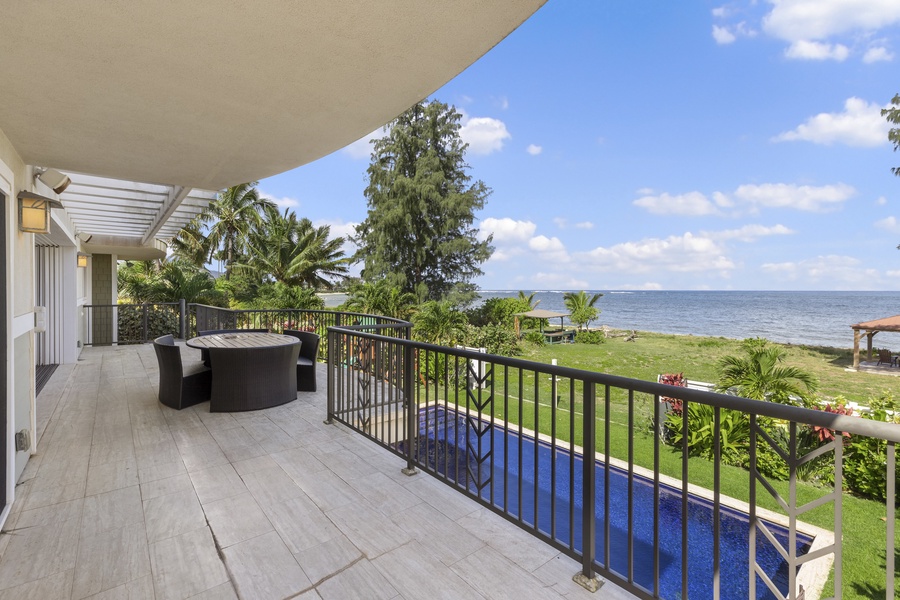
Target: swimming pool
(443, 440)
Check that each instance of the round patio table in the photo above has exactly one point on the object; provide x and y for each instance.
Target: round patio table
(250, 371)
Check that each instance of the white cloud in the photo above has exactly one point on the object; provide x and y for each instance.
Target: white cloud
(685, 253)
(881, 201)
(534, 149)
(584, 225)
(860, 124)
(691, 204)
(559, 281)
(809, 50)
(795, 20)
(749, 233)
(801, 197)
(484, 135)
(889, 224)
(840, 272)
(560, 222)
(722, 35)
(362, 148)
(339, 228)
(502, 102)
(283, 202)
(720, 12)
(506, 229)
(878, 54)
(543, 244)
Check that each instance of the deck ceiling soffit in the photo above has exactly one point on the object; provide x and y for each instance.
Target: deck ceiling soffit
(208, 95)
(128, 209)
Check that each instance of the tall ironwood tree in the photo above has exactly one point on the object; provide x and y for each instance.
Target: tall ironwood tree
(892, 115)
(419, 232)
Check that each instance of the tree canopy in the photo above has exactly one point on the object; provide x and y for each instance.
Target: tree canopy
(581, 307)
(419, 232)
(892, 115)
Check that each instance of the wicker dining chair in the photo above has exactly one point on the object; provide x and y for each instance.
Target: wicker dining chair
(180, 386)
(306, 362)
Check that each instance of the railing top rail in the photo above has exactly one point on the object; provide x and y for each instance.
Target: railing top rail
(819, 418)
(130, 304)
(307, 310)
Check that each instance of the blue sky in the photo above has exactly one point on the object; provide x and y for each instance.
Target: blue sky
(636, 144)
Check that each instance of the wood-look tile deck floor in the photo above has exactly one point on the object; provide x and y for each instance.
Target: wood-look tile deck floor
(128, 499)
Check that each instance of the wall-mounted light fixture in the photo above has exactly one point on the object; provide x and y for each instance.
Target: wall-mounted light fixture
(82, 260)
(53, 179)
(34, 212)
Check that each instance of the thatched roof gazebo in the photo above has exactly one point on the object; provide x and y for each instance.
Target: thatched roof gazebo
(540, 313)
(869, 329)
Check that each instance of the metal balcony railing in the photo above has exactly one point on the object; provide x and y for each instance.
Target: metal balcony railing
(574, 458)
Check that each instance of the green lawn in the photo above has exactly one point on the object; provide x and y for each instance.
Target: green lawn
(652, 354)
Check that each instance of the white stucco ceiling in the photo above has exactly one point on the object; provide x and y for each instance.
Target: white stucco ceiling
(210, 94)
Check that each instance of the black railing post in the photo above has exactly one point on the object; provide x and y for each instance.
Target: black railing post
(586, 578)
(412, 417)
(332, 365)
(145, 335)
(182, 319)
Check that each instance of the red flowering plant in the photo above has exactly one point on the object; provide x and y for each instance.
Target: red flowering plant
(826, 435)
(676, 379)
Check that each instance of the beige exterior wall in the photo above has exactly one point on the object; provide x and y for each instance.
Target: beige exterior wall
(14, 177)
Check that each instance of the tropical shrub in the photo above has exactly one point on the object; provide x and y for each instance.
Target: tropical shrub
(734, 428)
(534, 337)
(497, 311)
(865, 458)
(496, 339)
(589, 337)
(282, 295)
(160, 321)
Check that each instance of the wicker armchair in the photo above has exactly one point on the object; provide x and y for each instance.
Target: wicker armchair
(180, 386)
(306, 362)
(204, 353)
(244, 377)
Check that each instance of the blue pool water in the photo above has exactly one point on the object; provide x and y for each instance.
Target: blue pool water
(444, 437)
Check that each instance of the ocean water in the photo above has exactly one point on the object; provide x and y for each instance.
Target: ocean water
(810, 318)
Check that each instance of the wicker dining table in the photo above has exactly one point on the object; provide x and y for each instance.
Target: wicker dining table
(250, 371)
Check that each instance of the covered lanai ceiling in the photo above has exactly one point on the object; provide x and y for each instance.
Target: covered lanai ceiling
(207, 94)
(128, 214)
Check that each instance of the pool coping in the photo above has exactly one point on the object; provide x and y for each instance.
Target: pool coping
(812, 575)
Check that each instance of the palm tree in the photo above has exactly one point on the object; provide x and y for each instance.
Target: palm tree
(437, 323)
(178, 279)
(381, 298)
(529, 299)
(581, 307)
(191, 245)
(294, 252)
(318, 260)
(137, 280)
(759, 374)
(232, 215)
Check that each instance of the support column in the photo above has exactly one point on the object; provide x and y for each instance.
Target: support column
(856, 348)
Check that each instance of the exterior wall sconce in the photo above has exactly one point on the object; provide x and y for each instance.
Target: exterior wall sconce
(34, 212)
(82, 260)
